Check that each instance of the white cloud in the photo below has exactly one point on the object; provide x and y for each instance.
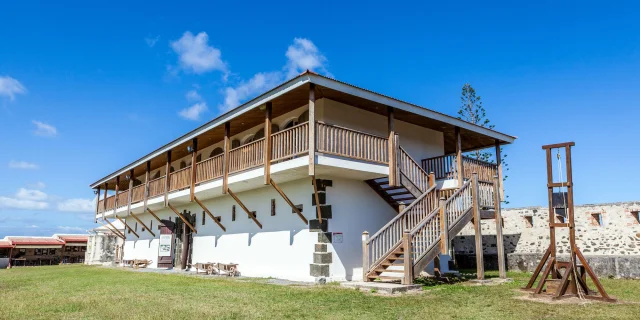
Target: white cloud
(45, 130)
(67, 229)
(151, 41)
(193, 112)
(33, 226)
(12, 203)
(26, 194)
(22, 165)
(196, 55)
(233, 96)
(77, 205)
(9, 87)
(193, 96)
(37, 185)
(303, 55)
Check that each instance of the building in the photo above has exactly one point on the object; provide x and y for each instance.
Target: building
(104, 246)
(285, 185)
(38, 251)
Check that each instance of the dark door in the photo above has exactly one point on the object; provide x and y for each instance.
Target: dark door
(167, 246)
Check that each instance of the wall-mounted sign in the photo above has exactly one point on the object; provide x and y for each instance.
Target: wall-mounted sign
(164, 249)
(336, 237)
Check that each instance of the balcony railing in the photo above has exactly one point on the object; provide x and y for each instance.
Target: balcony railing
(351, 143)
(290, 143)
(446, 167)
(180, 179)
(209, 169)
(156, 186)
(138, 193)
(247, 156)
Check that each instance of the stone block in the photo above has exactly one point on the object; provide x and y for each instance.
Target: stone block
(324, 237)
(322, 197)
(321, 247)
(326, 211)
(322, 257)
(319, 270)
(316, 226)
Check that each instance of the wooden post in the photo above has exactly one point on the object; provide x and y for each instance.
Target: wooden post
(365, 256)
(477, 225)
(315, 194)
(432, 179)
(312, 130)
(499, 238)
(183, 219)
(569, 204)
(444, 226)
(142, 223)
(129, 195)
(193, 167)
(499, 167)
(459, 164)
(95, 219)
(115, 200)
(552, 228)
(11, 257)
(393, 178)
(225, 159)
(104, 203)
(267, 144)
(167, 179)
(146, 185)
(408, 261)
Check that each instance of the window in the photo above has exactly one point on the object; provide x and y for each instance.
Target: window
(216, 151)
(203, 218)
(529, 221)
(596, 220)
(233, 212)
(38, 252)
(52, 252)
(273, 207)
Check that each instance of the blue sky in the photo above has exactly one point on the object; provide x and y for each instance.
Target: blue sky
(77, 80)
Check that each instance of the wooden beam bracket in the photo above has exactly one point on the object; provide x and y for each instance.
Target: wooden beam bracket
(209, 214)
(193, 229)
(142, 223)
(288, 201)
(251, 215)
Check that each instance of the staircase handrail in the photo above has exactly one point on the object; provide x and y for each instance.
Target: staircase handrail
(417, 170)
(453, 196)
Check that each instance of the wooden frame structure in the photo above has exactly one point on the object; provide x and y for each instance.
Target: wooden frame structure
(572, 281)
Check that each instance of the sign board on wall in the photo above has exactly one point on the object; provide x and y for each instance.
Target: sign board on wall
(336, 237)
(164, 249)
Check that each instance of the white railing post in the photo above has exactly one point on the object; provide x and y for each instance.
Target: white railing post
(365, 256)
(408, 258)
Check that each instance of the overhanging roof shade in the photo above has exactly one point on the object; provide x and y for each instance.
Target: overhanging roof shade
(293, 94)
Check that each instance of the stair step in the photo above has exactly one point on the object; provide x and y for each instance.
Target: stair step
(391, 188)
(391, 278)
(389, 271)
(405, 198)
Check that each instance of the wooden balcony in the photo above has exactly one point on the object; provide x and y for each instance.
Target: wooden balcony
(445, 167)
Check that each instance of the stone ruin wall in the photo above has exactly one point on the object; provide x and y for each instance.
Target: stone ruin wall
(101, 249)
(617, 237)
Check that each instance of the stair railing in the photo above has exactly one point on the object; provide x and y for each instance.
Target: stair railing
(427, 233)
(413, 171)
(389, 237)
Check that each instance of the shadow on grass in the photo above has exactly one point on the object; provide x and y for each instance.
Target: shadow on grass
(463, 275)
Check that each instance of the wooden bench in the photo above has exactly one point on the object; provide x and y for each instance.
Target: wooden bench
(137, 263)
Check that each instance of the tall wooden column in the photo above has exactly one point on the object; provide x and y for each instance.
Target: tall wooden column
(225, 159)
(477, 226)
(267, 143)
(130, 194)
(393, 157)
(312, 130)
(194, 152)
(115, 200)
(552, 225)
(499, 238)
(459, 164)
(499, 166)
(167, 179)
(97, 204)
(104, 202)
(146, 185)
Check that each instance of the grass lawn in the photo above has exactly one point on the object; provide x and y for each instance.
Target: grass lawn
(82, 292)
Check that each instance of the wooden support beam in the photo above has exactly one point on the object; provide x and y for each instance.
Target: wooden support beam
(147, 173)
(155, 216)
(95, 219)
(312, 129)
(502, 268)
(194, 152)
(552, 229)
(477, 226)
(225, 159)
(128, 227)
(142, 223)
(251, 215)
(104, 203)
(167, 179)
(210, 214)
(288, 201)
(393, 178)
(268, 143)
(115, 230)
(115, 200)
(130, 194)
(315, 193)
(408, 261)
(499, 166)
(459, 164)
(182, 218)
(444, 227)
(365, 256)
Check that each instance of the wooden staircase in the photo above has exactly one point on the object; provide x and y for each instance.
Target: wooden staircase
(393, 195)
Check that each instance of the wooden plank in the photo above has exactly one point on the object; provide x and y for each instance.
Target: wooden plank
(444, 227)
(315, 193)
(182, 218)
(209, 214)
(477, 226)
(115, 200)
(552, 230)
(155, 216)
(113, 230)
(130, 194)
(312, 130)
(460, 167)
(393, 178)
(592, 275)
(104, 200)
(95, 218)
(143, 225)
(499, 166)
(267, 143)
(167, 179)
(408, 261)
(502, 268)
(146, 185)
(558, 145)
(128, 227)
(225, 160)
(545, 275)
(536, 272)
(288, 201)
(233, 195)
(192, 188)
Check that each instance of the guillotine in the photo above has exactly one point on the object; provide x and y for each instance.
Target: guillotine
(562, 279)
